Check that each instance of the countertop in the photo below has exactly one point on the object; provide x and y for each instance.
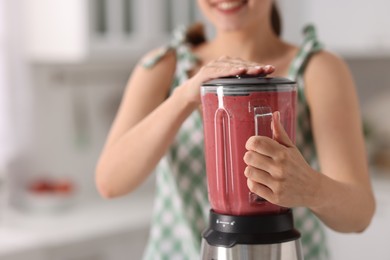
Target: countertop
(27, 232)
(22, 232)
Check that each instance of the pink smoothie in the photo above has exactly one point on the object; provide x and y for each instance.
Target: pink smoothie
(225, 146)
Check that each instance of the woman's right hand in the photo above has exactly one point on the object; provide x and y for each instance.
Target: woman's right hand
(221, 67)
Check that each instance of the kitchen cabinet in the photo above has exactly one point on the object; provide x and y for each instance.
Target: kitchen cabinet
(71, 31)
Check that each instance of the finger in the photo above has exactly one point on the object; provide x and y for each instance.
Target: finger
(258, 176)
(260, 189)
(263, 145)
(255, 70)
(268, 69)
(251, 67)
(279, 132)
(260, 69)
(259, 161)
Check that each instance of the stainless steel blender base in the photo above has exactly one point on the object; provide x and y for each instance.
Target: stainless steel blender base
(282, 251)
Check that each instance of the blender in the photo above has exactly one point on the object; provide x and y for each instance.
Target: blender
(243, 225)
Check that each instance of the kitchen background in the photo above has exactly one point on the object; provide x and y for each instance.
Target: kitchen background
(63, 67)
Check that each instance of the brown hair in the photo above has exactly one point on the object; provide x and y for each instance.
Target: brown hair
(276, 19)
(195, 34)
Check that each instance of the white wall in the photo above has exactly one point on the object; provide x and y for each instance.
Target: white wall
(4, 89)
(17, 86)
(349, 28)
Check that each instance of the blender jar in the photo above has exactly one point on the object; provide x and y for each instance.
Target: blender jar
(234, 109)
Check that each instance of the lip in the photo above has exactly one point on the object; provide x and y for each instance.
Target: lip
(229, 7)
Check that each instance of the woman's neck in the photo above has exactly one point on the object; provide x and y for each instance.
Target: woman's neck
(247, 44)
(263, 47)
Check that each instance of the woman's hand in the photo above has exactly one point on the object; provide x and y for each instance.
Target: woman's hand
(277, 171)
(222, 67)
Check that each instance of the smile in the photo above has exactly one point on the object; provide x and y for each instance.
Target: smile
(229, 5)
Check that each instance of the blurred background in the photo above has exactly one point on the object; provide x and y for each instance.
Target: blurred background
(63, 67)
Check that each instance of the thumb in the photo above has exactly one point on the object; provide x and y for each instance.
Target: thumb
(278, 131)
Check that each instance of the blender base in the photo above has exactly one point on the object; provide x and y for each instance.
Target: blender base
(290, 250)
(259, 237)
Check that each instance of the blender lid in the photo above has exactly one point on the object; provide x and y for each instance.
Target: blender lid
(248, 80)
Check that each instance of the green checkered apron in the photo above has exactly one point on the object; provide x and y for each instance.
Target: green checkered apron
(181, 205)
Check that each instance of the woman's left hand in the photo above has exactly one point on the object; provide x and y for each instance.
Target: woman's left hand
(277, 171)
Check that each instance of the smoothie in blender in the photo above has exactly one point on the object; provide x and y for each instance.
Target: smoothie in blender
(229, 121)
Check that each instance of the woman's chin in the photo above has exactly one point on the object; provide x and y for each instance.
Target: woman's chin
(230, 27)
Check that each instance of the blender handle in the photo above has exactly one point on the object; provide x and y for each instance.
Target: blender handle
(223, 155)
(263, 119)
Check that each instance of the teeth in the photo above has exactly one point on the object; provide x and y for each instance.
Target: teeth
(229, 5)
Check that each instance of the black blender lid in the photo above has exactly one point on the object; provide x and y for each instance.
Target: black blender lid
(248, 80)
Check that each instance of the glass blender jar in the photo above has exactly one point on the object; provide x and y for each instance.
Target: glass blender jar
(234, 109)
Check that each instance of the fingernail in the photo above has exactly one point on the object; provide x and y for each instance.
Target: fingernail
(277, 115)
(268, 67)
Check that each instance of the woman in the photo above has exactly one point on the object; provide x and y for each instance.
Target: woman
(159, 124)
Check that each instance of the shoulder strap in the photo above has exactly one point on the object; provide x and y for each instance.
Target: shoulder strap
(310, 46)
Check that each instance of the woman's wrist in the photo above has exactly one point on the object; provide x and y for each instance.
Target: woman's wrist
(318, 197)
(327, 192)
(183, 99)
(336, 204)
(182, 94)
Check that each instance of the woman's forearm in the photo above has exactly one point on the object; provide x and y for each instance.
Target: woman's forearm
(344, 207)
(128, 161)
